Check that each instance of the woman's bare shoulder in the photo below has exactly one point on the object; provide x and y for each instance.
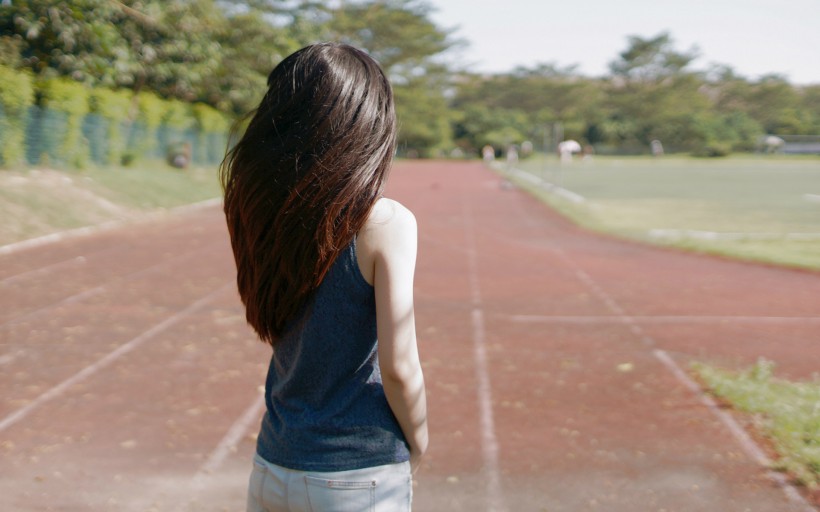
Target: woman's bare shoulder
(390, 226)
(389, 214)
(389, 233)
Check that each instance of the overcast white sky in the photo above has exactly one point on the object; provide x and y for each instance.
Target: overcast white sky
(755, 37)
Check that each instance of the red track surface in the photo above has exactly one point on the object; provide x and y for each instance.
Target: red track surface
(130, 380)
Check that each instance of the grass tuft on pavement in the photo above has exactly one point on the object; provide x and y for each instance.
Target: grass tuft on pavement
(786, 412)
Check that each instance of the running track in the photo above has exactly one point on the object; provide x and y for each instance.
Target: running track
(131, 382)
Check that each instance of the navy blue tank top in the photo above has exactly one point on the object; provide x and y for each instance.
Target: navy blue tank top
(326, 408)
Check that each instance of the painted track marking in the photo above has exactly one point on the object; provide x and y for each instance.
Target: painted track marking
(664, 319)
(747, 443)
(235, 434)
(749, 446)
(109, 358)
(489, 445)
(106, 226)
(77, 297)
(77, 260)
(620, 316)
(223, 449)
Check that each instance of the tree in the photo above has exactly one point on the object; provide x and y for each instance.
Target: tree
(400, 35)
(653, 94)
(190, 50)
(651, 59)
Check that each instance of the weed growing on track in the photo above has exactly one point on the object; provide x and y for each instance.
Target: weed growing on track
(787, 412)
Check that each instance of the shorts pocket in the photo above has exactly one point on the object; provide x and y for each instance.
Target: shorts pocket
(326, 495)
(255, 486)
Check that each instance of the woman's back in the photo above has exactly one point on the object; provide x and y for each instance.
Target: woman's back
(325, 269)
(326, 405)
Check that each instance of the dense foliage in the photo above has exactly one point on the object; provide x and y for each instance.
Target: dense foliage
(651, 94)
(219, 52)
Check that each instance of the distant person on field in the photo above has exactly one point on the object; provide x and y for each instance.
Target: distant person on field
(567, 148)
(512, 156)
(488, 153)
(588, 152)
(526, 148)
(656, 147)
(179, 156)
(325, 269)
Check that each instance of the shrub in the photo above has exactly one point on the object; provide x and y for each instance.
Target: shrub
(150, 112)
(177, 115)
(16, 96)
(713, 150)
(71, 99)
(114, 108)
(211, 125)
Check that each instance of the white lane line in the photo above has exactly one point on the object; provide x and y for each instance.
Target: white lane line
(77, 260)
(77, 297)
(109, 358)
(57, 237)
(489, 444)
(81, 259)
(105, 226)
(663, 319)
(234, 435)
(223, 449)
(7, 358)
(555, 189)
(747, 443)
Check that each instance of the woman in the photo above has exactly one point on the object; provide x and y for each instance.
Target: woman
(325, 269)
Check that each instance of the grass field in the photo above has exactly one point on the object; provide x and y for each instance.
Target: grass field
(36, 202)
(754, 207)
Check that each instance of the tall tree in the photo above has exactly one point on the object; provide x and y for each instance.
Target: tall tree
(651, 59)
(406, 42)
(655, 94)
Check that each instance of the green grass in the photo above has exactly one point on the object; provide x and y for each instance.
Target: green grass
(154, 186)
(757, 196)
(788, 413)
(37, 202)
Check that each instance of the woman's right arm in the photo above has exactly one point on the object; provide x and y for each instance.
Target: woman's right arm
(393, 239)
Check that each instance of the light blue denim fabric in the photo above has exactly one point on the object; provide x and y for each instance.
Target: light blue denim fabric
(273, 488)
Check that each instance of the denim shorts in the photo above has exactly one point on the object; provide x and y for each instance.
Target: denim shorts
(386, 488)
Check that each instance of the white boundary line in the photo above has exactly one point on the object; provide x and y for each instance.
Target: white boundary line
(223, 449)
(228, 443)
(105, 226)
(76, 260)
(664, 319)
(694, 234)
(747, 443)
(109, 358)
(555, 189)
(96, 290)
(489, 444)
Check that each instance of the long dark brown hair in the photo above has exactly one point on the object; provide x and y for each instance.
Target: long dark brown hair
(303, 178)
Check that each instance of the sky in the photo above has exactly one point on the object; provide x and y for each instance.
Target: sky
(754, 37)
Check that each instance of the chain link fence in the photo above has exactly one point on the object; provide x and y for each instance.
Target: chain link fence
(45, 141)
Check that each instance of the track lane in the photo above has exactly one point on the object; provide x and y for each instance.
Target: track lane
(575, 432)
(124, 438)
(135, 433)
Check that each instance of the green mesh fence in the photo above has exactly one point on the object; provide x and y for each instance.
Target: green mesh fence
(104, 144)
